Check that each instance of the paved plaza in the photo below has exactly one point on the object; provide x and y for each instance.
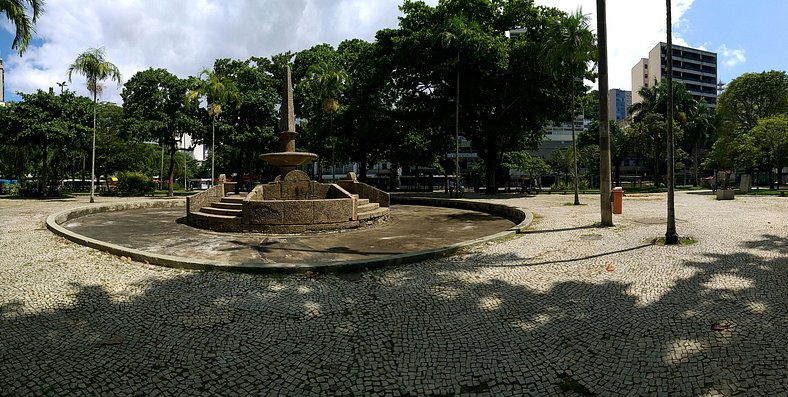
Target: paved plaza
(565, 309)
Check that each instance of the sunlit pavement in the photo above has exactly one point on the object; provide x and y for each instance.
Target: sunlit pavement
(568, 308)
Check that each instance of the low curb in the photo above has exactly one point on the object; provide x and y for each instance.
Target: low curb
(519, 216)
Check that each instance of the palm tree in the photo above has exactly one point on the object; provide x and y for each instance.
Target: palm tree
(605, 183)
(217, 89)
(671, 236)
(326, 82)
(95, 68)
(570, 48)
(16, 11)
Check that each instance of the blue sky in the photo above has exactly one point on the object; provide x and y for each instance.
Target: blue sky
(757, 27)
(749, 36)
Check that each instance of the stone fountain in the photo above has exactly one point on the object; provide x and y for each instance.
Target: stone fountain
(291, 203)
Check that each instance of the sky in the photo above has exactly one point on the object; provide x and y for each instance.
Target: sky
(185, 37)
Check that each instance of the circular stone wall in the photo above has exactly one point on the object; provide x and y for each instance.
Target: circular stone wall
(154, 232)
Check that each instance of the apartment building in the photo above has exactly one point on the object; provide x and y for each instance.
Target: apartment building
(697, 69)
(618, 103)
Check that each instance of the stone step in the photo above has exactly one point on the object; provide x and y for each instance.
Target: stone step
(376, 213)
(367, 207)
(233, 199)
(228, 206)
(362, 201)
(215, 218)
(221, 211)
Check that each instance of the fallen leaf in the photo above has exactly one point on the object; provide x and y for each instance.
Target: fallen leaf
(610, 268)
(720, 327)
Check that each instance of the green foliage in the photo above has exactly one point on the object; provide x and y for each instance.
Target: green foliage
(95, 68)
(771, 134)
(751, 97)
(532, 166)
(43, 132)
(158, 106)
(135, 182)
(505, 95)
(17, 13)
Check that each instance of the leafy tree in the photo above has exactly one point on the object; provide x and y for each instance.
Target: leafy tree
(248, 127)
(156, 104)
(48, 126)
(655, 100)
(325, 82)
(652, 129)
(506, 96)
(16, 12)
(621, 144)
(772, 135)
(751, 97)
(732, 151)
(700, 127)
(532, 166)
(217, 89)
(96, 69)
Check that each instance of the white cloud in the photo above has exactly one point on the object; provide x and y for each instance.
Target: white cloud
(731, 57)
(185, 36)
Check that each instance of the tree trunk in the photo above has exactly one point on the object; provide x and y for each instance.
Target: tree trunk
(695, 154)
(42, 182)
(605, 185)
(671, 236)
(171, 169)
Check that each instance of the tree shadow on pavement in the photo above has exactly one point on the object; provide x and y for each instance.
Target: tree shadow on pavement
(444, 327)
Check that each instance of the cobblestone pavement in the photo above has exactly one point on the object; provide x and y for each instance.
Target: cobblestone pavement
(567, 309)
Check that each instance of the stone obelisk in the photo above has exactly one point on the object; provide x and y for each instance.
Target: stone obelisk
(288, 159)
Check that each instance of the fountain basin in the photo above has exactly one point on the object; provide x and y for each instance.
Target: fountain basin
(288, 159)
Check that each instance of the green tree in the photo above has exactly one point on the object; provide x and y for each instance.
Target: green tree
(48, 125)
(751, 97)
(248, 127)
(156, 105)
(700, 127)
(652, 129)
(326, 81)
(217, 89)
(772, 135)
(16, 12)
(621, 144)
(532, 166)
(507, 97)
(96, 69)
(571, 47)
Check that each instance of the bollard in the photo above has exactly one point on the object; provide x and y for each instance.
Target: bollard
(618, 198)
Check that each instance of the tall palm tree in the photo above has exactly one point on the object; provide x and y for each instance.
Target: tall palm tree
(96, 69)
(16, 11)
(671, 236)
(569, 49)
(605, 176)
(217, 89)
(326, 82)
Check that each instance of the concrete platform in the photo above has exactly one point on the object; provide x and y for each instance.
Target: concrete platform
(160, 236)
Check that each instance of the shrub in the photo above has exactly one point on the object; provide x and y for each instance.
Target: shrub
(135, 182)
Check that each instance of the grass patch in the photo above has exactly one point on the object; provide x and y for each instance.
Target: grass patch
(686, 240)
(764, 192)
